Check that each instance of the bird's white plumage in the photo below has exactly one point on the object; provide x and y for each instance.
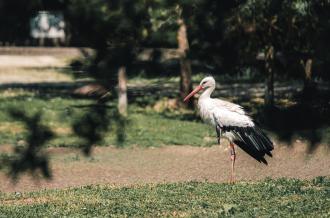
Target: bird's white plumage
(220, 112)
(229, 106)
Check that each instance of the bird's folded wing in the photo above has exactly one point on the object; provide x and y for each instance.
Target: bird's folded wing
(228, 118)
(229, 106)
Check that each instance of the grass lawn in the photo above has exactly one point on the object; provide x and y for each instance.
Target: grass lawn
(145, 127)
(268, 198)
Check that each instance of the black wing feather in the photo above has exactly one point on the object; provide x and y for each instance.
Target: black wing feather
(253, 141)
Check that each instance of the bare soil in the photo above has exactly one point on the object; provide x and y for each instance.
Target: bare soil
(109, 165)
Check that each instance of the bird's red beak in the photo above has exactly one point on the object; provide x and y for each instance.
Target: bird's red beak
(197, 89)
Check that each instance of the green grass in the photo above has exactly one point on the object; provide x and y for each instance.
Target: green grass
(269, 198)
(152, 129)
(144, 128)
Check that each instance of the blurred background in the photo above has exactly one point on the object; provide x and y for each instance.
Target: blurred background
(79, 73)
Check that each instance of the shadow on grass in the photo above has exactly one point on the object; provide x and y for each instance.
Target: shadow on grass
(96, 121)
(44, 87)
(307, 119)
(30, 157)
(91, 126)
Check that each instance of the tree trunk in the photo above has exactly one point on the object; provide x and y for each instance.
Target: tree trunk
(308, 83)
(122, 91)
(269, 83)
(185, 66)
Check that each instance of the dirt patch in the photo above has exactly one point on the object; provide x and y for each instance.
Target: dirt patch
(16, 69)
(129, 166)
(26, 61)
(52, 51)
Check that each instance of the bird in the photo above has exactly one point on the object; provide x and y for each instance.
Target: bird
(231, 122)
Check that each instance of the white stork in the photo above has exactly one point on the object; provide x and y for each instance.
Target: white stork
(232, 123)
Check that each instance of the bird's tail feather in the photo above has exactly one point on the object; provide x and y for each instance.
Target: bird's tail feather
(254, 142)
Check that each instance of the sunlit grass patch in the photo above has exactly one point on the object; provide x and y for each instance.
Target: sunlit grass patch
(10, 93)
(10, 127)
(154, 129)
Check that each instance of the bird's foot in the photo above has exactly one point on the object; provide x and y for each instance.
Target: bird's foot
(218, 140)
(232, 181)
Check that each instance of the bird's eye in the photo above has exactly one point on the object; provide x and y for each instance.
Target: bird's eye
(203, 83)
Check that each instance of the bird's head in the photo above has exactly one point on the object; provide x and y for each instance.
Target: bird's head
(207, 82)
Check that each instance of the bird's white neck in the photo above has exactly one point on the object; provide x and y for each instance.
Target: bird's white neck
(207, 92)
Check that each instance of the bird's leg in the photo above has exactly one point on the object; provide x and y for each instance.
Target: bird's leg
(218, 129)
(233, 158)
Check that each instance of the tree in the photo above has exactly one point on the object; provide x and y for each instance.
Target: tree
(294, 29)
(122, 91)
(211, 44)
(197, 25)
(169, 16)
(119, 28)
(306, 25)
(185, 65)
(258, 23)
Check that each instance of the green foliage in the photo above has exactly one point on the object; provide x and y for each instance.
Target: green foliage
(112, 23)
(258, 21)
(269, 198)
(115, 29)
(208, 34)
(296, 30)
